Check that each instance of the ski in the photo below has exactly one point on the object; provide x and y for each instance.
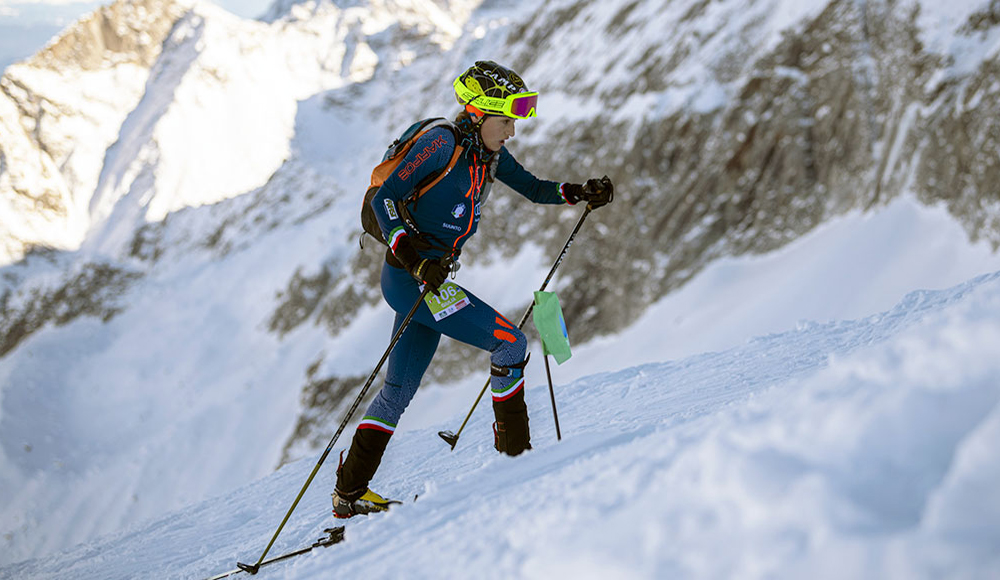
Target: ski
(333, 536)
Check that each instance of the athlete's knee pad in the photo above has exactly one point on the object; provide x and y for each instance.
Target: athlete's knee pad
(512, 344)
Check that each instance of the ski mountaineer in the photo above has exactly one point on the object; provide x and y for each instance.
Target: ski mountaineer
(444, 218)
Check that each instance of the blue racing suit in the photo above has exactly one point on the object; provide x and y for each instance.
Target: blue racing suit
(447, 215)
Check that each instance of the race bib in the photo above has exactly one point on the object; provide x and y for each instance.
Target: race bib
(450, 300)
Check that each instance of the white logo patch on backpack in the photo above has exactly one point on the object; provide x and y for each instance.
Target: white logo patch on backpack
(458, 211)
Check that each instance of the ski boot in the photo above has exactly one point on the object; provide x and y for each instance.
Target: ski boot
(351, 495)
(369, 502)
(511, 435)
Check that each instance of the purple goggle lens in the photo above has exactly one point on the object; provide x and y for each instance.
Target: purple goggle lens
(523, 106)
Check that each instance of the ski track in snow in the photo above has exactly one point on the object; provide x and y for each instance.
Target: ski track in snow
(850, 449)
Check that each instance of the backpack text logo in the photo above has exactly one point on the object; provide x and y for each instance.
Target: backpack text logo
(407, 170)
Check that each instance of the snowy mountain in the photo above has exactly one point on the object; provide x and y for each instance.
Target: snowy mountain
(183, 306)
(111, 118)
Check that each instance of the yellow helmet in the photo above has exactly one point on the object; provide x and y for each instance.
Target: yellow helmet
(490, 89)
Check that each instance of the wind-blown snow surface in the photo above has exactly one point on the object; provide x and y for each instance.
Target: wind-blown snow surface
(852, 449)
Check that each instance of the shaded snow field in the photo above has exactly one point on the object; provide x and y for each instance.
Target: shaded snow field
(861, 448)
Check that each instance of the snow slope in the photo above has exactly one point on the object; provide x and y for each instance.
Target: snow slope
(850, 449)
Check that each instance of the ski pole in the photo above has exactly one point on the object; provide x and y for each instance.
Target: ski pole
(552, 395)
(452, 438)
(253, 568)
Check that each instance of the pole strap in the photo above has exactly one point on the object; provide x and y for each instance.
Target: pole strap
(515, 370)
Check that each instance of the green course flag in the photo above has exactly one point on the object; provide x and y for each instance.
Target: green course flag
(548, 319)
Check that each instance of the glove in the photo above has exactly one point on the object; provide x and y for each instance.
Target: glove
(430, 271)
(596, 192)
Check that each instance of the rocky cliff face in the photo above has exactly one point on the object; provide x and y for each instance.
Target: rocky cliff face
(848, 109)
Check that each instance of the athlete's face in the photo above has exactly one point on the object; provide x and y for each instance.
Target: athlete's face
(496, 130)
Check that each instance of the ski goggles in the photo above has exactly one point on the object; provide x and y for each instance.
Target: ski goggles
(517, 106)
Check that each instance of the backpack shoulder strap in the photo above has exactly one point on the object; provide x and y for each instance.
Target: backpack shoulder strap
(435, 178)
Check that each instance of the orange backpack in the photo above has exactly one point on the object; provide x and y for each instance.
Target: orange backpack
(394, 155)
